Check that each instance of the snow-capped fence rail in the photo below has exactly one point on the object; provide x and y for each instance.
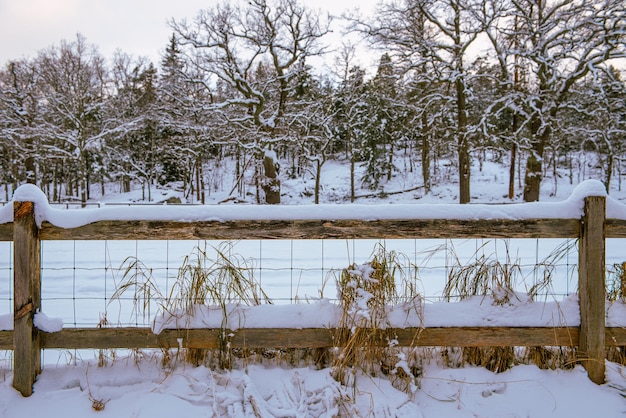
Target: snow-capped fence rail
(585, 216)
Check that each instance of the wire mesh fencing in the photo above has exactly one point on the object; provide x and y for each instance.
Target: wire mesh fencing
(79, 279)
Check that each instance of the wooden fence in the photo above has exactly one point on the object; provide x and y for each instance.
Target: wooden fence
(591, 337)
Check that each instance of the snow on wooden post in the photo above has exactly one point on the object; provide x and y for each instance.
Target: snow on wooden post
(27, 297)
(591, 288)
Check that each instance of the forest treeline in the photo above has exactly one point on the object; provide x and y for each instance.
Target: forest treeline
(533, 81)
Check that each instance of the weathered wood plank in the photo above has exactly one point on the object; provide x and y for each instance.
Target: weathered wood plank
(194, 338)
(615, 337)
(27, 297)
(6, 340)
(6, 232)
(104, 338)
(615, 228)
(489, 337)
(591, 288)
(315, 229)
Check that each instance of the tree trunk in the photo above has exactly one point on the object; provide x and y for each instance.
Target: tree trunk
(461, 108)
(350, 149)
(203, 187)
(30, 170)
(512, 170)
(271, 184)
(390, 162)
(532, 179)
(198, 175)
(513, 148)
(609, 173)
(55, 184)
(239, 172)
(318, 177)
(257, 183)
(534, 164)
(352, 174)
(29, 164)
(619, 174)
(83, 190)
(555, 166)
(126, 184)
(425, 153)
(464, 173)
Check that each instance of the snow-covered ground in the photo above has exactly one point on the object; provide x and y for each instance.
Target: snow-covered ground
(138, 385)
(145, 390)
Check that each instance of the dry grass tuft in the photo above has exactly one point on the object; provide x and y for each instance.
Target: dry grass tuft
(486, 275)
(202, 279)
(616, 282)
(496, 276)
(366, 294)
(551, 357)
(228, 278)
(616, 292)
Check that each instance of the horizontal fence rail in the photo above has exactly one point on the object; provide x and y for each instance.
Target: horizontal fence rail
(306, 229)
(231, 230)
(253, 338)
(591, 338)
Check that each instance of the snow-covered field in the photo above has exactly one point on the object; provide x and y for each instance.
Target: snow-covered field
(78, 280)
(144, 390)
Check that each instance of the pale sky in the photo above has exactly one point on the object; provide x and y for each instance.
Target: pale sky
(137, 27)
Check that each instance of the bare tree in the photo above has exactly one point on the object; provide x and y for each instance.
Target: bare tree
(72, 82)
(561, 42)
(432, 39)
(252, 54)
(135, 148)
(316, 132)
(595, 118)
(19, 119)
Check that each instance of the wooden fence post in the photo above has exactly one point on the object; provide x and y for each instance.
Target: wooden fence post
(591, 288)
(27, 297)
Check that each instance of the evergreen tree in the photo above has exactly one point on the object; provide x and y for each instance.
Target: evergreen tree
(385, 126)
